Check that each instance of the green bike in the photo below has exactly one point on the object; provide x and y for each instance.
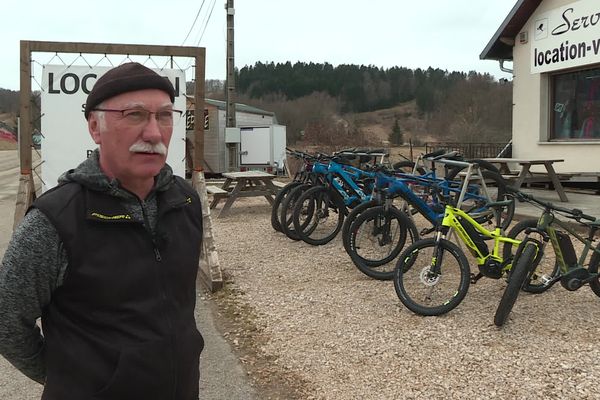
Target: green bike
(573, 274)
(432, 276)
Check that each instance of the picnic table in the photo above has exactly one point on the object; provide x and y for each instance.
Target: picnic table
(525, 174)
(243, 184)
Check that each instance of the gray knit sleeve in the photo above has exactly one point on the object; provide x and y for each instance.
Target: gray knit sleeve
(32, 268)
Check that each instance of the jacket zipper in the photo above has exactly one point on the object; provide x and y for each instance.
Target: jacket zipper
(158, 258)
(149, 229)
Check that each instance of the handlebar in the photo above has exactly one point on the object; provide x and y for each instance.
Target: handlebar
(434, 153)
(455, 163)
(574, 213)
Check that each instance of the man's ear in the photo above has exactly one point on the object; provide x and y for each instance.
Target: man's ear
(94, 128)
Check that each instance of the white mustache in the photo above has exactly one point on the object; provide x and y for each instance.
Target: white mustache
(145, 147)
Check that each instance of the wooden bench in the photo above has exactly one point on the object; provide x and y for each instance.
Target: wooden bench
(279, 184)
(536, 177)
(526, 176)
(242, 184)
(215, 190)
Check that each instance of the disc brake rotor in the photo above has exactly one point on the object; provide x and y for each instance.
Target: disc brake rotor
(428, 278)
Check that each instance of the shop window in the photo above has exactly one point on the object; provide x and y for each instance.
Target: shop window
(576, 105)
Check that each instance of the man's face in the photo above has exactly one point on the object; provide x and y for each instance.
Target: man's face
(130, 146)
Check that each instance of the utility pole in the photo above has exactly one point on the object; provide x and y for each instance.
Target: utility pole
(233, 148)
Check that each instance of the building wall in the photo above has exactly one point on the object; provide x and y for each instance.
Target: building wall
(214, 152)
(245, 119)
(531, 117)
(215, 149)
(242, 119)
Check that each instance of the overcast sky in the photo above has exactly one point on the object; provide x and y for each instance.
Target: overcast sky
(415, 34)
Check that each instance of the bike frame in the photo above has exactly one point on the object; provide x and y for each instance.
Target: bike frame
(401, 186)
(451, 221)
(348, 175)
(546, 225)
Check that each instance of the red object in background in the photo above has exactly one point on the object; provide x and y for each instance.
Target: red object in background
(6, 135)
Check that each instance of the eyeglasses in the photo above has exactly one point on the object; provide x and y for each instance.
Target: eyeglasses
(138, 116)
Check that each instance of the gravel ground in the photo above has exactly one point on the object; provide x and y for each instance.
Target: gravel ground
(309, 325)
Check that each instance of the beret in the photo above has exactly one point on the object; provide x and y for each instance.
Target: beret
(125, 78)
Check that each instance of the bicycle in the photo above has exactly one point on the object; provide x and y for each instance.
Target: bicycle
(425, 175)
(573, 273)
(432, 276)
(315, 174)
(303, 176)
(419, 166)
(319, 212)
(315, 177)
(371, 242)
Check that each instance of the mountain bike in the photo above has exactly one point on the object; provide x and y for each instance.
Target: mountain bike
(432, 276)
(315, 177)
(319, 212)
(321, 170)
(301, 177)
(426, 163)
(375, 237)
(573, 273)
(425, 169)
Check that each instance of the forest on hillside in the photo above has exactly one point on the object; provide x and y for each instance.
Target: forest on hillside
(322, 103)
(311, 99)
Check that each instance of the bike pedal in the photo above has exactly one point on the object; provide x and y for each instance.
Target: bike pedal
(475, 277)
(545, 279)
(426, 231)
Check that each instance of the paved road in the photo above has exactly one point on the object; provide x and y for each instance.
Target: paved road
(222, 376)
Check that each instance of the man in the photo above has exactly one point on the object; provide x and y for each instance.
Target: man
(108, 260)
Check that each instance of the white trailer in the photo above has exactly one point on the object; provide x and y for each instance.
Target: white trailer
(263, 147)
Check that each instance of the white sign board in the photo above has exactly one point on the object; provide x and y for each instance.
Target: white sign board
(66, 140)
(566, 37)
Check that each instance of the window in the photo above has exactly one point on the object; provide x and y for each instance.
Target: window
(576, 105)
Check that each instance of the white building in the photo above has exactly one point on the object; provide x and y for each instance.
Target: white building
(554, 46)
(216, 155)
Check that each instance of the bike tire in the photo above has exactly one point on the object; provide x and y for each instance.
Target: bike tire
(593, 268)
(287, 209)
(387, 240)
(516, 281)
(351, 217)
(547, 268)
(276, 208)
(318, 229)
(415, 286)
(483, 165)
(407, 167)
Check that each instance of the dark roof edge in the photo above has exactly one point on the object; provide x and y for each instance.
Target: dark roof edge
(220, 104)
(510, 27)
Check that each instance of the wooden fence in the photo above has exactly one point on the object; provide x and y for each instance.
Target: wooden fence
(473, 150)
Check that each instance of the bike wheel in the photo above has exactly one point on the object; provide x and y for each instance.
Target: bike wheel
(483, 166)
(407, 167)
(287, 210)
(516, 281)
(547, 268)
(376, 238)
(276, 208)
(324, 221)
(351, 217)
(593, 268)
(432, 277)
